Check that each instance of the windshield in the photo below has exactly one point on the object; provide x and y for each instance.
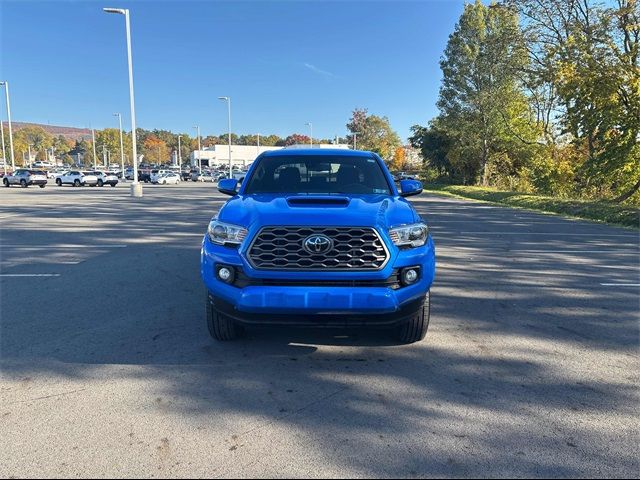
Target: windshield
(318, 174)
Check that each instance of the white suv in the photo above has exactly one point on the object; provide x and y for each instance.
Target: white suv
(77, 178)
(108, 178)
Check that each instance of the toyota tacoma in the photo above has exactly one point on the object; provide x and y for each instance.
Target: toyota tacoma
(318, 237)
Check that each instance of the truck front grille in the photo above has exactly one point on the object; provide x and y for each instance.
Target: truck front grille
(282, 248)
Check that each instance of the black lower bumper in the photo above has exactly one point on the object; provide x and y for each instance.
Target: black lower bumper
(346, 319)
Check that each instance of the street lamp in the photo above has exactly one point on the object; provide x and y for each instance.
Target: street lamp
(136, 188)
(121, 144)
(6, 91)
(355, 137)
(311, 138)
(4, 154)
(258, 144)
(179, 157)
(197, 127)
(95, 158)
(228, 100)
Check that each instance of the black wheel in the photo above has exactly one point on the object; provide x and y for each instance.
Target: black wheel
(221, 327)
(113, 184)
(5, 182)
(416, 328)
(41, 186)
(23, 183)
(76, 183)
(100, 182)
(58, 182)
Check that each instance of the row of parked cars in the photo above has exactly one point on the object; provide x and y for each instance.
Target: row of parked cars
(26, 177)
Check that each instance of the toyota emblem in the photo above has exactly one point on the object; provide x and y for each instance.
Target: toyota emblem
(318, 244)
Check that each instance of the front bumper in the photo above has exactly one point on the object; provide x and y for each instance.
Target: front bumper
(284, 293)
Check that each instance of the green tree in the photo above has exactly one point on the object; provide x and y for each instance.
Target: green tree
(373, 133)
(482, 107)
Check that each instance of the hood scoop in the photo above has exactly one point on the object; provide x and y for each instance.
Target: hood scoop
(318, 201)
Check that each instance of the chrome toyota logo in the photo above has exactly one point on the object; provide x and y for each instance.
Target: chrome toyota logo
(318, 244)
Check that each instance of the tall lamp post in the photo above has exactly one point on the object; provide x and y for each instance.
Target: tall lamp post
(355, 137)
(179, 157)
(197, 127)
(4, 154)
(6, 91)
(136, 187)
(121, 144)
(228, 100)
(310, 138)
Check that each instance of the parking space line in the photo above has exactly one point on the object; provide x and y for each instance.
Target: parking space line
(64, 246)
(620, 284)
(29, 274)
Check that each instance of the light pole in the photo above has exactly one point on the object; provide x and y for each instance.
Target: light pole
(121, 144)
(95, 157)
(228, 100)
(355, 137)
(197, 127)
(310, 138)
(4, 154)
(258, 144)
(136, 188)
(179, 157)
(29, 158)
(6, 91)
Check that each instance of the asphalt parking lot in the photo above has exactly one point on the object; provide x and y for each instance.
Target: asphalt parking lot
(530, 367)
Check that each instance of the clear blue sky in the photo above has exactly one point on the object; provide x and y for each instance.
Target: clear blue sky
(282, 63)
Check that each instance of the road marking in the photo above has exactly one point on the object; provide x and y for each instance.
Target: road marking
(64, 246)
(29, 274)
(620, 284)
(545, 233)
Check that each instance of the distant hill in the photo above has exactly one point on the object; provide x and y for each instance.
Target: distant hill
(71, 133)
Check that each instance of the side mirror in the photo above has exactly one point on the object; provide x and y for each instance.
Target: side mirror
(410, 187)
(228, 186)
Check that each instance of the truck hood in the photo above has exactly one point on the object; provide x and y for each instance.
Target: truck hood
(383, 211)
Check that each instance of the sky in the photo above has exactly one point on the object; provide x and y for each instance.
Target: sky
(283, 64)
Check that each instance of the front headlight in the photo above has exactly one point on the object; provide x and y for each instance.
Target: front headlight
(414, 235)
(225, 233)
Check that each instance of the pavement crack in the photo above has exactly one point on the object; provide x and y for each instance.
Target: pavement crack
(47, 396)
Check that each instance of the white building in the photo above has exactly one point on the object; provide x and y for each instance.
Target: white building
(242, 155)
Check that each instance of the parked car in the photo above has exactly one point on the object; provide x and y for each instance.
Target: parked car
(77, 178)
(195, 174)
(156, 173)
(108, 178)
(25, 177)
(54, 172)
(318, 238)
(206, 177)
(185, 174)
(168, 178)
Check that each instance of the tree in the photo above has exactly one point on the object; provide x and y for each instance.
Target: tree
(155, 150)
(482, 108)
(373, 133)
(434, 145)
(295, 139)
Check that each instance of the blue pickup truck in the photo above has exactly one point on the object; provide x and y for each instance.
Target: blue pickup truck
(318, 238)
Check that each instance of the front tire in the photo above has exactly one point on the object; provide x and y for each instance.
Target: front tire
(5, 181)
(416, 328)
(76, 183)
(58, 182)
(221, 327)
(23, 183)
(100, 183)
(41, 186)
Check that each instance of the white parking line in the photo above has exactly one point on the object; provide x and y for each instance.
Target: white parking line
(64, 246)
(595, 235)
(29, 274)
(620, 284)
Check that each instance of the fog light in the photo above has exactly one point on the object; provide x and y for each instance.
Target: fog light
(226, 274)
(410, 275)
